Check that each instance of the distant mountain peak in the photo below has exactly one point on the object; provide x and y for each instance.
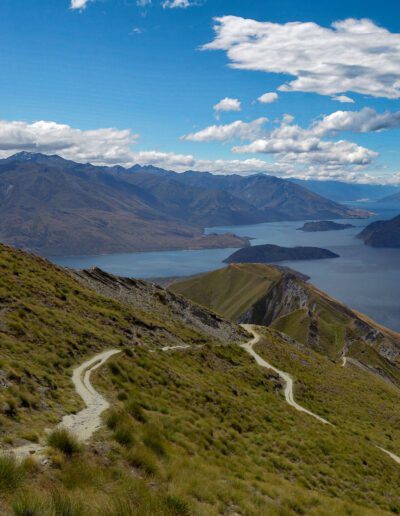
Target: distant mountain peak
(36, 157)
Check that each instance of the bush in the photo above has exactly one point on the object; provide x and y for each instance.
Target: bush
(11, 473)
(62, 440)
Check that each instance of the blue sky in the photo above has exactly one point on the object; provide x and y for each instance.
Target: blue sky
(118, 82)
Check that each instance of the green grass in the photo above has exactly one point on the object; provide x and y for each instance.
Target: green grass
(230, 291)
(203, 431)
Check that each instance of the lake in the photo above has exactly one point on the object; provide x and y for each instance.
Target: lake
(364, 278)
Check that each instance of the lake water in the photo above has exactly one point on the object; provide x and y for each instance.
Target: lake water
(364, 278)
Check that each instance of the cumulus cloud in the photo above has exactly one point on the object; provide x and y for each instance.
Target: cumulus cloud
(363, 121)
(79, 4)
(298, 152)
(227, 104)
(268, 98)
(235, 130)
(351, 55)
(99, 145)
(343, 99)
(294, 144)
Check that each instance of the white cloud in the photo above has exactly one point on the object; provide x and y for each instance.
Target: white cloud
(298, 152)
(99, 145)
(174, 4)
(235, 130)
(79, 4)
(227, 104)
(143, 3)
(363, 121)
(352, 55)
(268, 98)
(343, 99)
(293, 144)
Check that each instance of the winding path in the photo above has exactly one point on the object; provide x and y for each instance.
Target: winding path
(285, 376)
(85, 422)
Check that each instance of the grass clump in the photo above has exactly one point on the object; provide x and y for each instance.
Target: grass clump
(11, 473)
(63, 441)
(142, 459)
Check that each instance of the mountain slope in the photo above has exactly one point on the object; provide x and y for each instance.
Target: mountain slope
(342, 192)
(54, 206)
(203, 430)
(382, 233)
(394, 198)
(278, 199)
(265, 295)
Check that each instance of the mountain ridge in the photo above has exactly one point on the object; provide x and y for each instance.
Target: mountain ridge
(58, 207)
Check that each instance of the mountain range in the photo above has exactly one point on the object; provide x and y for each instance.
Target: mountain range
(340, 191)
(58, 207)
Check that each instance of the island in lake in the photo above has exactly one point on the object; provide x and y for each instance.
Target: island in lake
(324, 225)
(382, 233)
(269, 253)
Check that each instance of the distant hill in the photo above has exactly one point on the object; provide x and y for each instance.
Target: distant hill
(394, 198)
(266, 295)
(383, 233)
(268, 253)
(277, 199)
(341, 192)
(58, 207)
(324, 225)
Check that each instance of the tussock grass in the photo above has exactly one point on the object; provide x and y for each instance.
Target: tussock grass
(65, 442)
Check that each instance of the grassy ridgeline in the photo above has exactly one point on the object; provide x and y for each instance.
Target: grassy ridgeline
(202, 431)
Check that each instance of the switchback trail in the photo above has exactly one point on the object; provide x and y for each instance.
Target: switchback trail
(285, 376)
(85, 422)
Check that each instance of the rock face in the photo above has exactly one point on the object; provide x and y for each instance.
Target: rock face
(383, 233)
(273, 253)
(324, 225)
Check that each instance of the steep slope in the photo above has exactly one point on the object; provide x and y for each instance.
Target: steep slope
(276, 198)
(53, 206)
(265, 295)
(383, 233)
(202, 430)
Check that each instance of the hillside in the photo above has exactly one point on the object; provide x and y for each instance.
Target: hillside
(53, 206)
(383, 233)
(265, 295)
(268, 253)
(276, 198)
(203, 430)
(393, 198)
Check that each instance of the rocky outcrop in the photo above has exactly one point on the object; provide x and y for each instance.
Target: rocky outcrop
(151, 297)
